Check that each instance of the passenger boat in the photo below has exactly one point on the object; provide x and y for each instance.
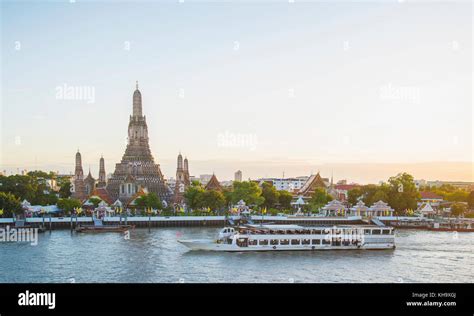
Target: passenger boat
(295, 237)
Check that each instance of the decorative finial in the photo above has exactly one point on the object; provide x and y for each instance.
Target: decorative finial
(137, 84)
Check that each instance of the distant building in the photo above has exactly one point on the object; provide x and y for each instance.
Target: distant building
(431, 198)
(420, 183)
(457, 184)
(204, 178)
(238, 176)
(285, 184)
(341, 191)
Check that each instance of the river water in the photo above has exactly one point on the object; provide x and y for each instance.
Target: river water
(156, 256)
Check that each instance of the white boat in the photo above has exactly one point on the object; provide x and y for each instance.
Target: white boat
(295, 237)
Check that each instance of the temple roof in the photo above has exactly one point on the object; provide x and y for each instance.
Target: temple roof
(213, 184)
(315, 181)
(102, 194)
(360, 206)
(381, 206)
(334, 205)
(89, 177)
(140, 193)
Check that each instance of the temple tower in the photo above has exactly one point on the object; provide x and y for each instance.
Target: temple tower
(137, 169)
(180, 186)
(78, 190)
(89, 183)
(187, 180)
(102, 178)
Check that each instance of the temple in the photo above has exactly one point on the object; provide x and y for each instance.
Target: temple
(137, 169)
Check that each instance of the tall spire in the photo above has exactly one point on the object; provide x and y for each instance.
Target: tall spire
(137, 102)
(78, 171)
(186, 169)
(180, 161)
(102, 181)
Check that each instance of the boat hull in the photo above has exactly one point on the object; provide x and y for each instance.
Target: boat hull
(207, 245)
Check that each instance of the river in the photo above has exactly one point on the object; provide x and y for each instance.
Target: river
(156, 256)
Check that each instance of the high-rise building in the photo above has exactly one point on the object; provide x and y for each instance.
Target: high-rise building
(238, 176)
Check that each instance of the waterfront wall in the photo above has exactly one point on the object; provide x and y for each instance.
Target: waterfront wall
(178, 221)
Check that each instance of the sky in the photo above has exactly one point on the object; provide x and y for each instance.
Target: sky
(363, 90)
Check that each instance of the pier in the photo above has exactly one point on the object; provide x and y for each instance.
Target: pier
(179, 221)
(400, 222)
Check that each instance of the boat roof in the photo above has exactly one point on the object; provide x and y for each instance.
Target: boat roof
(276, 227)
(298, 227)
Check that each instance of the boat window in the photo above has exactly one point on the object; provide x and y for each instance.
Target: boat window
(326, 242)
(317, 232)
(316, 241)
(366, 231)
(386, 232)
(306, 241)
(242, 242)
(376, 232)
(253, 242)
(274, 242)
(295, 241)
(284, 242)
(263, 242)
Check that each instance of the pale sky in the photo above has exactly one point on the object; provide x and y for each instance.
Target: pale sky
(262, 87)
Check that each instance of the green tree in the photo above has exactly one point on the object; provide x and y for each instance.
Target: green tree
(193, 196)
(402, 194)
(380, 195)
(68, 205)
(284, 198)
(213, 199)
(470, 200)
(10, 204)
(153, 201)
(150, 200)
(457, 196)
(458, 209)
(95, 201)
(319, 198)
(38, 174)
(248, 191)
(353, 195)
(23, 187)
(270, 194)
(64, 189)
